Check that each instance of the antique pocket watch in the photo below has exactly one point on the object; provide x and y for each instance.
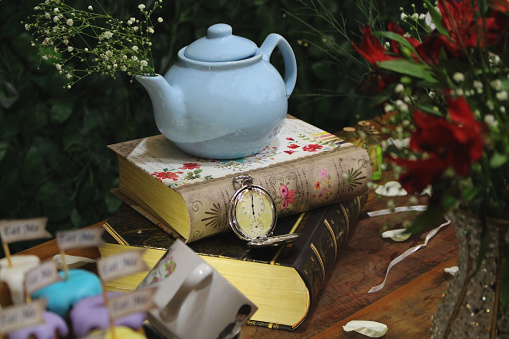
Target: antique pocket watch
(252, 215)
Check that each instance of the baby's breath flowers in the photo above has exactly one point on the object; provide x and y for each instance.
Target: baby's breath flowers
(82, 42)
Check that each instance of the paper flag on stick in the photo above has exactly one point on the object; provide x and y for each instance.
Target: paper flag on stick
(134, 302)
(88, 237)
(120, 265)
(43, 275)
(19, 316)
(23, 229)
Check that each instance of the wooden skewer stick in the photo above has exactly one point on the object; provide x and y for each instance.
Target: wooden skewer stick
(64, 264)
(111, 320)
(7, 253)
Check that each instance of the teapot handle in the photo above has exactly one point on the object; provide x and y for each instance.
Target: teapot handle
(272, 41)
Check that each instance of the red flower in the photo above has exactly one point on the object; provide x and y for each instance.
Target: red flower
(190, 166)
(371, 49)
(465, 30)
(500, 5)
(312, 147)
(167, 175)
(432, 45)
(293, 146)
(454, 142)
(420, 173)
(395, 28)
(289, 152)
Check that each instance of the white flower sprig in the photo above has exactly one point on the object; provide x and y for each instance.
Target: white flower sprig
(69, 38)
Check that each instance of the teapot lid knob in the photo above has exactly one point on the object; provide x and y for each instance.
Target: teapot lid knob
(219, 31)
(220, 45)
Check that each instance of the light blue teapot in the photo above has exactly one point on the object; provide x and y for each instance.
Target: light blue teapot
(223, 99)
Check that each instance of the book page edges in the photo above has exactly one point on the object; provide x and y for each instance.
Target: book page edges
(154, 197)
(275, 304)
(143, 212)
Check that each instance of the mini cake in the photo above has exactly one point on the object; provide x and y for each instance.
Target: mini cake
(53, 327)
(90, 313)
(13, 277)
(65, 294)
(121, 332)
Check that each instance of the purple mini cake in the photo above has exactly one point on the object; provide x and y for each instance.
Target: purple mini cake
(53, 327)
(90, 313)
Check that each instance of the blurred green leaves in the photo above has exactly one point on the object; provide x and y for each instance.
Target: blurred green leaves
(53, 156)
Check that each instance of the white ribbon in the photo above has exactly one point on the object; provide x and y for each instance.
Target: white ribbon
(418, 208)
(408, 252)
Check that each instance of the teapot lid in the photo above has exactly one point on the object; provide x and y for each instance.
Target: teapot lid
(220, 45)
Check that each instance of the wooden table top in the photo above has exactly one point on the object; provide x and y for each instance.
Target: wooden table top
(413, 289)
(412, 292)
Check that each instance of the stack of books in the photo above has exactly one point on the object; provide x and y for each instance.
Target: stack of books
(319, 183)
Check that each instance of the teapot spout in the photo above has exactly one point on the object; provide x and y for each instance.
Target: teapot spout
(167, 101)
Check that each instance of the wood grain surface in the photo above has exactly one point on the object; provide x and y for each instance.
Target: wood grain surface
(412, 292)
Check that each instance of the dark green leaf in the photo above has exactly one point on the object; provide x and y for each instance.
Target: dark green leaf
(33, 168)
(3, 149)
(323, 70)
(498, 160)
(76, 218)
(112, 202)
(61, 111)
(407, 67)
(427, 219)
(52, 57)
(24, 49)
(8, 95)
(449, 200)
(427, 109)
(470, 193)
(400, 39)
(55, 201)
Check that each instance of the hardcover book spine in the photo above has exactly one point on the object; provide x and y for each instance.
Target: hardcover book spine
(330, 228)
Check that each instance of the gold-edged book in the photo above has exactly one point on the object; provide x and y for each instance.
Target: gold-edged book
(281, 281)
(303, 168)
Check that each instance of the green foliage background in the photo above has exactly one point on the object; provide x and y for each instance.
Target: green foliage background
(53, 156)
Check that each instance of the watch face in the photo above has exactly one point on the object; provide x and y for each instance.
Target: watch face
(253, 212)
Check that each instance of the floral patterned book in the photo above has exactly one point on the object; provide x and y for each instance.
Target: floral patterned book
(303, 168)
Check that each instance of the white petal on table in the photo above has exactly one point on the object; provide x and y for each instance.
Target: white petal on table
(368, 328)
(452, 270)
(397, 234)
(391, 189)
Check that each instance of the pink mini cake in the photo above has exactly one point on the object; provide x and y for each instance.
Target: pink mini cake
(65, 294)
(53, 327)
(90, 313)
